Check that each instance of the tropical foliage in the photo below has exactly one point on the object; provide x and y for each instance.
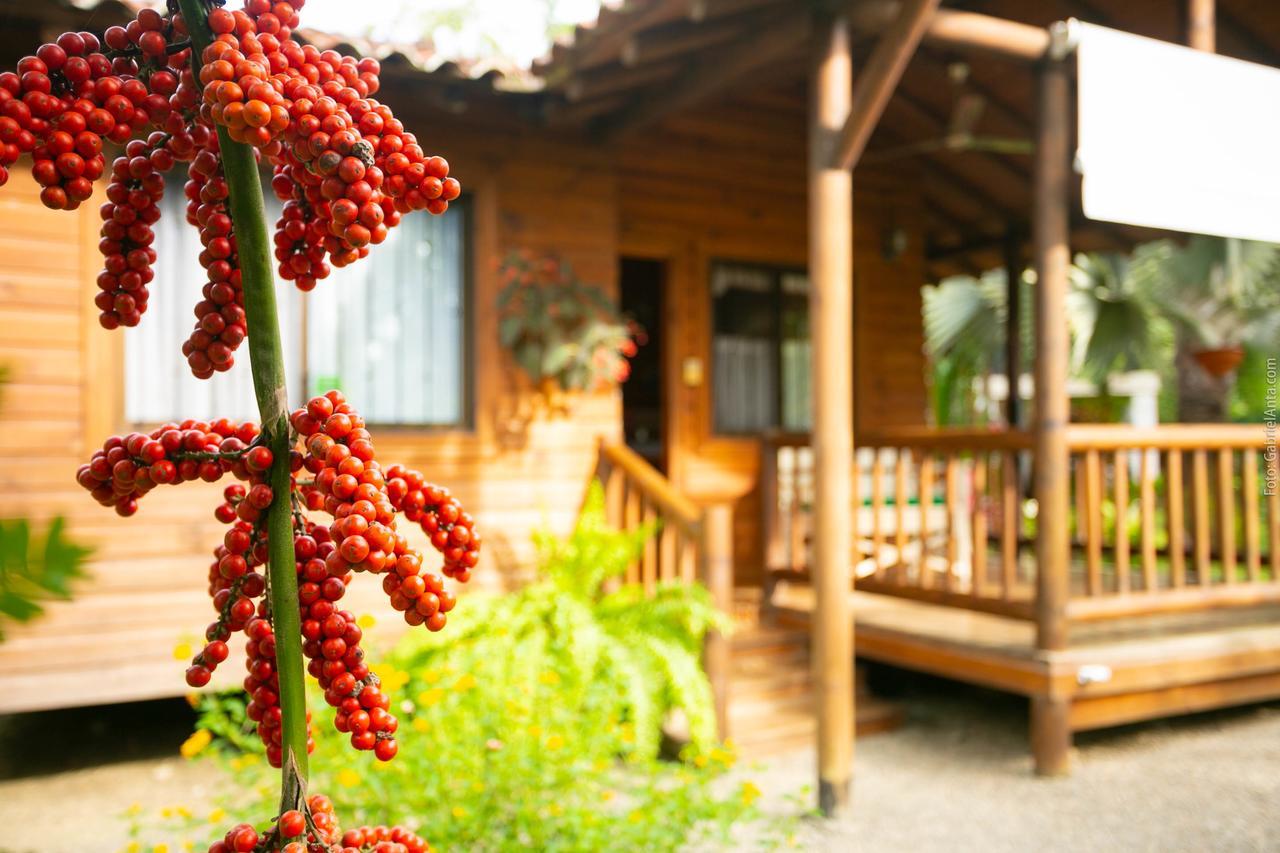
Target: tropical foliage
(1150, 310)
(537, 723)
(35, 568)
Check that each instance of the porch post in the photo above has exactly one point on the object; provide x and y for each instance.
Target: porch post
(1013, 324)
(1050, 735)
(831, 318)
(1201, 33)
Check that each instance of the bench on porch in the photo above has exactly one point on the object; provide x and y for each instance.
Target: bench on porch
(1174, 574)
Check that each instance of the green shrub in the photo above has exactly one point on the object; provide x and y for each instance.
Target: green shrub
(535, 720)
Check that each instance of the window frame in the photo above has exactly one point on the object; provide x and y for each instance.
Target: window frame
(464, 206)
(775, 272)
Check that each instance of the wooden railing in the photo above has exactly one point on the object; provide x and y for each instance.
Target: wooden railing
(1168, 518)
(693, 544)
(927, 503)
(1175, 517)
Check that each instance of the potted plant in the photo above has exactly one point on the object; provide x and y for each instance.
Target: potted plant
(567, 336)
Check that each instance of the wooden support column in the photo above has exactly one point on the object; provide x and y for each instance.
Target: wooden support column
(1201, 29)
(1050, 736)
(831, 313)
(717, 573)
(1013, 265)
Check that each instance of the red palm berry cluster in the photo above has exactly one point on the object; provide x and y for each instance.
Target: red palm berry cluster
(220, 319)
(314, 829)
(350, 485)
(127, 467)
(361, 500)
(344, 165)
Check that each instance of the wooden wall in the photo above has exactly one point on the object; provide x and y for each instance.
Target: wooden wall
(727, 182)
(516, 469)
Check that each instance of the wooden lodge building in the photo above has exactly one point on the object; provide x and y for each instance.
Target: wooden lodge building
(692, 157)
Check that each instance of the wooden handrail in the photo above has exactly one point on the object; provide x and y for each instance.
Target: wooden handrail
(919, 438)
(675, 506)
(1166, 437)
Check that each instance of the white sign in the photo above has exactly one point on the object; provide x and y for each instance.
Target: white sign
(1175, 138)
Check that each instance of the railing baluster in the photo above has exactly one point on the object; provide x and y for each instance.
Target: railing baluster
(1177, 525)
(902, 460)
(1147, 489)
(797, 559)
(1081, 500)
(925, 498)
(649, 558)
(953, 533)
(1200, 502)
(1252, 543)
(877, 504)
(1009, 525)
(1227, 514)
(631, 521)
(1091, 522)
(978, 576)
(667, 552)
(1120, 494)
(688, 559)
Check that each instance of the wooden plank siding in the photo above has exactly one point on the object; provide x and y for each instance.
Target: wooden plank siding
(727, 182)
(515, 470)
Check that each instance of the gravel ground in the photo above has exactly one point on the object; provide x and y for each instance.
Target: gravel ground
(955, 777)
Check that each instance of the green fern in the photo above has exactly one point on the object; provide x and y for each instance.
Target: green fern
(35, 569)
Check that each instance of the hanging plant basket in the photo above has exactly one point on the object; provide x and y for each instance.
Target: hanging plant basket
(1220, 362)
(568, 337)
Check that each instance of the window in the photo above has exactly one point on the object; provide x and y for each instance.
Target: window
(398, 348)
(760, 348)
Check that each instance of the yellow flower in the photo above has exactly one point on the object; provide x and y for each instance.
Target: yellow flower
(393, 679)
(193, 699)
(550, 677)
(466, 682)
(182, 811)
(431, 676)
(700, 761)
(723, 756)
(166, 812)
(160, 848)
(348, 778)
(430, 697)
(217, 816)
(195, 744)
(477, 787)
(182, 651)
(366, 621)
(555, 742)
(132, 847)
(420, 724)
(535, 731)
(556, 810)
(188, 844)
(750, 793)
(636, 816)
(459, 812)
(608, 795)
(134, 809)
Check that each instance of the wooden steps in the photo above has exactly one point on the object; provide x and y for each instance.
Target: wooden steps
(771, 693)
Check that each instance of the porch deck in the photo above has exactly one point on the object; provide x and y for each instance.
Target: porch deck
(1119, 671)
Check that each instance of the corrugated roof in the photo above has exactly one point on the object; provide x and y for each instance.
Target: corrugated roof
(500, 73)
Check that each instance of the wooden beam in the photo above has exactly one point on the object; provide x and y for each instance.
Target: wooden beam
(965, 30)
(713, 73)
(831, 310)
(1051, 228)
(613, 79)
(880, 77)
(676, 39)
(706, 10)
(1200, 25)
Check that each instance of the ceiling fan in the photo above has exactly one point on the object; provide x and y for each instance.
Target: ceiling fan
(959, 136)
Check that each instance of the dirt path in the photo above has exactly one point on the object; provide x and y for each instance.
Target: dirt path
(955, 777)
